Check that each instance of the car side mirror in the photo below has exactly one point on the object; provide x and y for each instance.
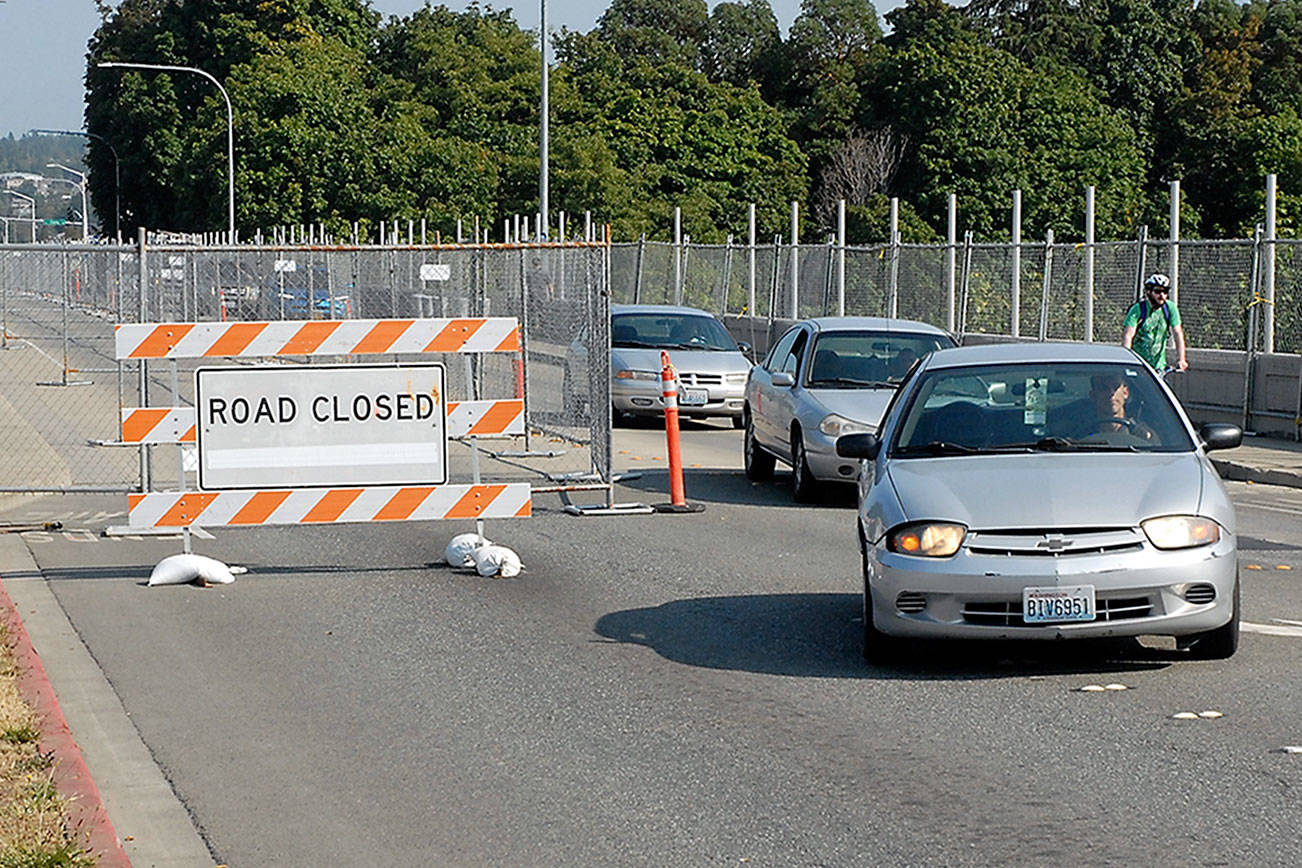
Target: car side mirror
(746, 350)
(1220, 435)
(861, 445)
(784, 378)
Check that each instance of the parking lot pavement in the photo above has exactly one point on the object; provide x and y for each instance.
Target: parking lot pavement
(1263, 460)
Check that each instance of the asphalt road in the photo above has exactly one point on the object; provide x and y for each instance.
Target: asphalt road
(669, 690)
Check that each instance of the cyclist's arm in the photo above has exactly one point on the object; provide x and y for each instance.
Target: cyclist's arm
(1128, 337)
(1178, 331)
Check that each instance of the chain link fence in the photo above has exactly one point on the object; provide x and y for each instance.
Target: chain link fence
(62, 390)
(1063, 291)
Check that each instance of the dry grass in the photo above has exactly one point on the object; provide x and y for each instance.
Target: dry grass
(33, 818)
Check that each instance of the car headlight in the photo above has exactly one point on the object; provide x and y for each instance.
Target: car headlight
(637, 375)
(834, 426)
(932, 539)
(1181, 531)
(736, 378)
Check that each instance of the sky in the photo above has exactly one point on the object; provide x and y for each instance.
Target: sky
(43, 50)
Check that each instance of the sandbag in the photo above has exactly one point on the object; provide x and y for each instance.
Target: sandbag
(491, 560)
(184, 569)
(460, 551)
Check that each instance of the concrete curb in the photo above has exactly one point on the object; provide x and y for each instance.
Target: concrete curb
(90, 822)
(155, 828)
(1247, 473)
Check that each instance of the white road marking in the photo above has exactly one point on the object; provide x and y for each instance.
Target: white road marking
(1271, 629)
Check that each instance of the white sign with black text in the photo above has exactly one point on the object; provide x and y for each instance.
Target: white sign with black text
(319, 425)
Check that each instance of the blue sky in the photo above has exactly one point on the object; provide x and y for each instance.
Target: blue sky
(43, 50)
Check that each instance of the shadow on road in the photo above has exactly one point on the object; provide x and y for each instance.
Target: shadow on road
(818, 635)
(732, 486)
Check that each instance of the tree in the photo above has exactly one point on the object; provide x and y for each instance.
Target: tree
(741, 43)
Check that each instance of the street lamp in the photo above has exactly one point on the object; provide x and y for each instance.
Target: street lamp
(29, 201)
(117, 186)
(80, 185)
(230, 128)
(543, 128)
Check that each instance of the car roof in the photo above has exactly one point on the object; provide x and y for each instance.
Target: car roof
(871, 323)
(616, 309)
(1049, 351)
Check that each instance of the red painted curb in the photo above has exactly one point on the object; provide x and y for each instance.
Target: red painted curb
(86, 814)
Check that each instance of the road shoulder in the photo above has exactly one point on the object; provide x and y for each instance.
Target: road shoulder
(152, 824)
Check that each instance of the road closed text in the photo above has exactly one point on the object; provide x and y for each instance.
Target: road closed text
(317, 425)
(284, 409)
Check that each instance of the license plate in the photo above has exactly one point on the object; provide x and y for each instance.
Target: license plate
(694, 397)
(1057, 604)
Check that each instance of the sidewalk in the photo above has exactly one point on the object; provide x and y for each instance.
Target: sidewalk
(1262, 459)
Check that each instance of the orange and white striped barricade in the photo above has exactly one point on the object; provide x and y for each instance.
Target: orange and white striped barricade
(321, 498)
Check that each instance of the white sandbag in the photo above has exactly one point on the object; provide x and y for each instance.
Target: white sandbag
(460, 551)
(184, 569)
(491, 560)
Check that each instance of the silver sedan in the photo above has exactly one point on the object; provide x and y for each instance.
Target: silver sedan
(1044, 491)
(826, 377)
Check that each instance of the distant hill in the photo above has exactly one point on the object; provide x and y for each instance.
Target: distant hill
(33, 152)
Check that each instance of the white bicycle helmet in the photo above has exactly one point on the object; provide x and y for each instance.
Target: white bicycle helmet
(1157, 280)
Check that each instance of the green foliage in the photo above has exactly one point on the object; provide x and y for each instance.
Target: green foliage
(342, 117)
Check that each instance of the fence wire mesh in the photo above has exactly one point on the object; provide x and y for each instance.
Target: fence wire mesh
(61, 389)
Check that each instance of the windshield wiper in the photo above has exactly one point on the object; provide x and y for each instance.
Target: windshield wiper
(1064, 444)
(937, 447)
(850, 381)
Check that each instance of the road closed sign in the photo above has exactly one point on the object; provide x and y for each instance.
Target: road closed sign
(298, 427)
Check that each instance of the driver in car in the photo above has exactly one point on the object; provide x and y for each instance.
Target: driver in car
(1108, 396)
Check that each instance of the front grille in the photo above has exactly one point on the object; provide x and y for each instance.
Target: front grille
(1200, 594)
(1055, 542)
(910, 602)
(690, 378)
(1008, 613)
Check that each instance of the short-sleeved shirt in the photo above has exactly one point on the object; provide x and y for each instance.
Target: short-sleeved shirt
(1151, 335)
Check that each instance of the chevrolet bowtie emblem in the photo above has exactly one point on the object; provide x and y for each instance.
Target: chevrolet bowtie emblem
(1053, 543)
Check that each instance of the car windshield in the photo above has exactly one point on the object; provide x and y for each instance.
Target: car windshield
(672, 331)
(1014, 408)
(855, 359)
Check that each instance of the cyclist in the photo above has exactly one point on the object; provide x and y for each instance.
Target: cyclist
(1150, 320)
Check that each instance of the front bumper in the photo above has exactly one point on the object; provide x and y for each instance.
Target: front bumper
(979, 596)
(646, 398)
(824, 463)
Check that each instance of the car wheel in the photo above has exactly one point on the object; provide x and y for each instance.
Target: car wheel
(803, 485)
(877, 646)
(1221, 643)
(758, 463)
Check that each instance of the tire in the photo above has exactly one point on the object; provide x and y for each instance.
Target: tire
(804, 487)
(1221, 643)
(877, 646)
(758, 463)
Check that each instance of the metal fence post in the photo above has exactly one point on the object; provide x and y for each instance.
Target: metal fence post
(951, 247)
(893, 284)
(1044, 286)
(795, 260)
(1141, 261)
(143, 383)
(966, 277)
(1250, 339)
(1268, 270)
(1173, 254)
(840, 257)
(1089, 263)
(1015, 286)
(750, 258)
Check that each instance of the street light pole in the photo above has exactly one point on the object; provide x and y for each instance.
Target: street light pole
(117, 184)
(30, 201)
(542, 131)
(80, 185)
(230, 128)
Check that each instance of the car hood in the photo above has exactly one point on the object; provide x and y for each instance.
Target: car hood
(698, 361)
(861, 405)
(1049, 490)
